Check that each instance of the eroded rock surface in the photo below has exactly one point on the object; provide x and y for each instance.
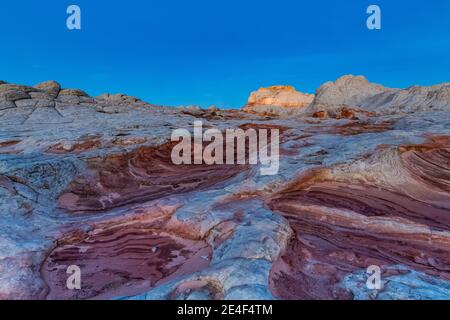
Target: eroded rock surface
(89, 182)
(352, 216)
(123, 257)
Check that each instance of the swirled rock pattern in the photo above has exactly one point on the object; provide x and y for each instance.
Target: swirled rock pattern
(122, 258)
(141, 175)
(346, 220)
(363, 180)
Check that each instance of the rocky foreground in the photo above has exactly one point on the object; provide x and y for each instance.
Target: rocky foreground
(364, 180)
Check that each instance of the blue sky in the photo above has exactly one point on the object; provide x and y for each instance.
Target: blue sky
(215, 52)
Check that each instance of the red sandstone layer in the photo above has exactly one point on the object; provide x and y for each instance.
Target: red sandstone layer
(142, 175)
(122, 258)
(343, 226)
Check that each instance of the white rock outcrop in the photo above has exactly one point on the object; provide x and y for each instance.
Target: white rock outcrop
(356, 92)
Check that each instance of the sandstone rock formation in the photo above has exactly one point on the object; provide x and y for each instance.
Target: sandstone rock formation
(277, 100)
(52, 88)
(346, 91)
(384, 221)
(72, 92)
(116, 99)
(90, 182)
(106, 101)
(355, 92)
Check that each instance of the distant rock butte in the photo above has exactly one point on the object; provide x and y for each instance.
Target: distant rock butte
(277, 100)
(350, 97)
(359, 95)
(348, 90)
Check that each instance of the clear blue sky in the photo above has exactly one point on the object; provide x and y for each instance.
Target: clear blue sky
(208, 52)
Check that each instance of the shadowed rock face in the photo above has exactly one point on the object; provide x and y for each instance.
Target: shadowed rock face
(343, 225)
(90, 182)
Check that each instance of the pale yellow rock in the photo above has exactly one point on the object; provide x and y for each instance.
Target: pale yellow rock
(282, 96)
(278, 100)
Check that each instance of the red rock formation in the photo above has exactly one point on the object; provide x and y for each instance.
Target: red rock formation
(83, 145)
(352, 128)
(343, 113)
(344, 225)
(7, 147)
(141, 175)
(320, 115)
(121, 258)
(353, 114)
(9, 143)
(429, 162)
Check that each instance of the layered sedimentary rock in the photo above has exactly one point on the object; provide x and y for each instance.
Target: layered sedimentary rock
(90, 182)
(122, 257)
(277, 100)
(352, 216)
(141, 175)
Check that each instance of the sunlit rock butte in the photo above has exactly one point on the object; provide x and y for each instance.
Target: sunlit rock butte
(277, 100)
(364, 180)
